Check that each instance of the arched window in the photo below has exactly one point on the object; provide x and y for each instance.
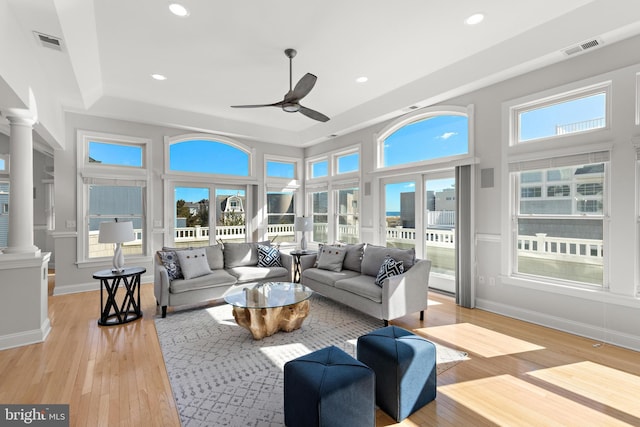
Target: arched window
(208, 155)
(425, 136)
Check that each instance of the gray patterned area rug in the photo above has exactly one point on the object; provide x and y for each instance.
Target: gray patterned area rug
(221, 376)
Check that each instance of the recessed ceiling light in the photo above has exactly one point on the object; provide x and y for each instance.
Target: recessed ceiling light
(158, 77)
(362, 79)
(474, 19)
(178, 9)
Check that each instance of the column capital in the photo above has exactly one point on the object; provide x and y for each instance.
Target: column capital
(19, 116)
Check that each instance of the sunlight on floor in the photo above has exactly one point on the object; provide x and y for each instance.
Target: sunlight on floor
(432, 302)
(507, 400)
(611, 387)
(479, 340)
(222, 314)
(280, 354)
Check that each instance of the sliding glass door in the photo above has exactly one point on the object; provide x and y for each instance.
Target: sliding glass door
(440, 229)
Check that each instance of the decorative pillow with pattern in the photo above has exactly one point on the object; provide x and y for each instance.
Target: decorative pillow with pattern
(268, 256)
(171, 263)
(390, 267)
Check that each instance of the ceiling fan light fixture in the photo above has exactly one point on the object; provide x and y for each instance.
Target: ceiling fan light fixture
(291, 107)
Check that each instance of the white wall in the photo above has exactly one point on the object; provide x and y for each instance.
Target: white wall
(72, 277)
(609, 316)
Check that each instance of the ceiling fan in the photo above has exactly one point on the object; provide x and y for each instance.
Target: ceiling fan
(291, 101)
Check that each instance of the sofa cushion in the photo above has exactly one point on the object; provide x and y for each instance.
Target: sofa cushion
(254, 274)
(353, 257)
(215, 257)
(171, 263)
(331, 258)
(361, 285)
(241, 254)
(193, 263)
(213, 279)
(375, 255)
(268, 256)
(390, 267)
(327, 277)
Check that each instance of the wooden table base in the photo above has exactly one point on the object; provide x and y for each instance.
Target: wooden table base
(264, 322)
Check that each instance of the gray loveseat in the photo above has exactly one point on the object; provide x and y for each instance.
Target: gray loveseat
(353, 281)
(193, 275)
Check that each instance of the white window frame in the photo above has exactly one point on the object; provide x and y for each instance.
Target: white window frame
(335, 158)
(7, 164)
(201, 176)
(419, 115)
(309, 169)
(545, 151)
(331, 183)
(283, 185)
(536, 102)
(106, 174)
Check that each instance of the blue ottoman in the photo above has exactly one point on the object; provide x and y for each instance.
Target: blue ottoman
(405, 367)
(328, 388)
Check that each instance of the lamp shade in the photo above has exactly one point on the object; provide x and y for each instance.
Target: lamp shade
(304, 224)
(116, 232)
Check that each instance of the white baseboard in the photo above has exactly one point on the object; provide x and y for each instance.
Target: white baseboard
(91, 286)
(20, 339)
(597, 333)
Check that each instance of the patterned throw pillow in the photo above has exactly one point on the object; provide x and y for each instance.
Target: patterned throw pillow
(171, 263)
(390, 267)
(268, 256)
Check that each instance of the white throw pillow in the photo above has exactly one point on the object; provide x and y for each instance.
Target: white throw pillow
(194, 263)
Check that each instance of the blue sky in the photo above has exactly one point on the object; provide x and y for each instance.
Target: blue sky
(542, 122)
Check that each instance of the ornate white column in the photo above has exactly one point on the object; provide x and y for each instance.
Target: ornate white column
(20, 238)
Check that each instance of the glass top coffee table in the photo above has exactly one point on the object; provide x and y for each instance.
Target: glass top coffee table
(266, 308)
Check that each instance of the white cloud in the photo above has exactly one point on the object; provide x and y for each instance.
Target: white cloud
(447, 135)
(410, 185)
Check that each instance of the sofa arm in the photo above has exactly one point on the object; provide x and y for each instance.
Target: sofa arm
(406, 293)
(160, 282)
(287, 262)
(307, 261)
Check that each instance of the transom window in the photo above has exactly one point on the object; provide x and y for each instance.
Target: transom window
(572, 112)
(277, 169)
(209, 156)
(348, 163)
(429, 136)
(107, 153)
(319, 168)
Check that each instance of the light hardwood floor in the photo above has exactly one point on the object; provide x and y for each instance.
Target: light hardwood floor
(517, 373)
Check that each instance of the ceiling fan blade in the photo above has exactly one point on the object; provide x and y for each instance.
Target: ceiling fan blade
(313, 114)
(275, 104)
(302, 89)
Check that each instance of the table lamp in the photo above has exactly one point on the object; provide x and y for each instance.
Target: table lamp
(303, 224)
(116, 232)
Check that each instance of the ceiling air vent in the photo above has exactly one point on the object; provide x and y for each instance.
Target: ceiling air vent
(49, 41)
(580, 47)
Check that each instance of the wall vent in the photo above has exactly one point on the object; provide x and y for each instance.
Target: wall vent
(48, 41)
(581, 47)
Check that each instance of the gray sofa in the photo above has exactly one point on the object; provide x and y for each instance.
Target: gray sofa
(191, 275)
(354, 282)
